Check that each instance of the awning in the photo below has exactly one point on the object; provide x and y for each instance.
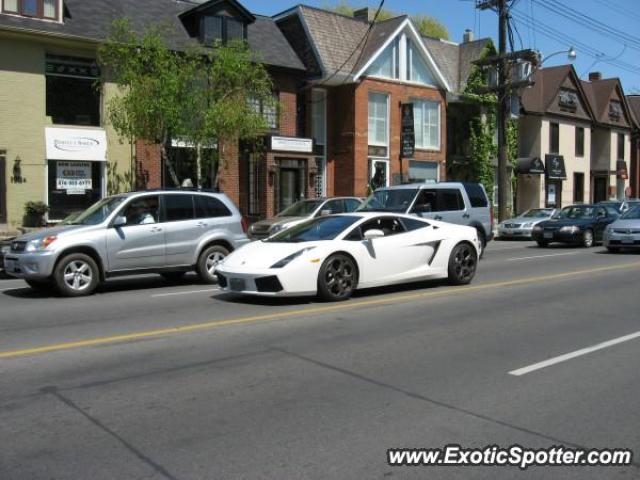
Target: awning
(529, 166)
(621, 170)
(89, 144)
(555, 167)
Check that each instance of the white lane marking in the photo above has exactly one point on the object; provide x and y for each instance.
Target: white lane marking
(185, 293)
(13, 288)
(577, 353)
(541, 256)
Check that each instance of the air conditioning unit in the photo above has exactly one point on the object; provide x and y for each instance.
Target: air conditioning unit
(522, 71)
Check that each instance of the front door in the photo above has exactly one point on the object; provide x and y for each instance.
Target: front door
(3, 189)
(140, 243)
(291, 183)
(600, 185)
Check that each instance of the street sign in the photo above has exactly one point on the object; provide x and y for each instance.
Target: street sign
(408, 137)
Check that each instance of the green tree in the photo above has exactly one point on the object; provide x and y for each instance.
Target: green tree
(426, 25)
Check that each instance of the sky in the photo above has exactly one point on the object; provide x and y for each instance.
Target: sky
(604, 33)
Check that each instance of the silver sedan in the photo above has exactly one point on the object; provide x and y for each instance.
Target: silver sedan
(522, 225)
(624, 232)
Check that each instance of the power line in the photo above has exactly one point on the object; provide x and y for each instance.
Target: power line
(625, 12)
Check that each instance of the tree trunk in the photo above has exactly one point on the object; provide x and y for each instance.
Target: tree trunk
(168, 163)
(199, 165)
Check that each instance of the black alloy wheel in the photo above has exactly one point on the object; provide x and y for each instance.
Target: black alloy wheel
(462, 264)
(338, 278)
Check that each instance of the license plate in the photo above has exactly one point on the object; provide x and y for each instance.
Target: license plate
(627, 239)
(237, 284)
(548, 234)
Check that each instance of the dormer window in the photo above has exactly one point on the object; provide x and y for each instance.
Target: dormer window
(615, 110)
(568, 100)
(216, 28)
(47, 9)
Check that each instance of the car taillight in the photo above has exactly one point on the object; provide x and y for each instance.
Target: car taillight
(245, 224)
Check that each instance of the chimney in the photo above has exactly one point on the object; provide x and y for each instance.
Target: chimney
(363, 14)
(468, 36)
(595, 76)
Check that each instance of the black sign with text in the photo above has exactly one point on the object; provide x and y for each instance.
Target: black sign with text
(555, 167)
(408, 137)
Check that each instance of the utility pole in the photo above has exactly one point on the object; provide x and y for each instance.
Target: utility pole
(504, 179)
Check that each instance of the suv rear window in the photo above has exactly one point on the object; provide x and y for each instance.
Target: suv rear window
(210, 207)
(178, 207)
(476, 195)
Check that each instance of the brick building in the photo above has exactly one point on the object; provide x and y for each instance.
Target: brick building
(634, 170)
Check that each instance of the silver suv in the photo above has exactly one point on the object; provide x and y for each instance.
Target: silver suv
(163, 231)
(452, 202)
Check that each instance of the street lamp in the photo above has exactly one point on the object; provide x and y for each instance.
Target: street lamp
(571, 55)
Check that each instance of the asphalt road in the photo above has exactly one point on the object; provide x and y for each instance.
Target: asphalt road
(146, 380)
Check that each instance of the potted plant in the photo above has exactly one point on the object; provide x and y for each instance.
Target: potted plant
(34, 213)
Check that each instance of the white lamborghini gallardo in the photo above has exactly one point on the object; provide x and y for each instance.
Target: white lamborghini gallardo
(332, 256)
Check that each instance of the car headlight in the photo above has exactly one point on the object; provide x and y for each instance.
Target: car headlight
(537, 228)
(571, 229)
(40, 244)
(286, 260)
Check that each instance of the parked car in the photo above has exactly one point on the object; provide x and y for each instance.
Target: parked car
(451, 202)
(334, 255)
(621, 205)
(5, 247)
(578, 224)
(302, 211)
(624, 232)
(163, 231)
(522, 225)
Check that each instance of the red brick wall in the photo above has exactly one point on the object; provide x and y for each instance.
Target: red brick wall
(148, 165)
(349, 121)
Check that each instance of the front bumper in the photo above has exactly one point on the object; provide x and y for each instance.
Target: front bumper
(621, 240)
(270, 282)
(514, 232)
(30, 265)
(557, 236)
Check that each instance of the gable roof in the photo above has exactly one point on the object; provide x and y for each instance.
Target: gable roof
(634, 106)
(91, 20)
(203, 6)
(600, 93)
(548, 81)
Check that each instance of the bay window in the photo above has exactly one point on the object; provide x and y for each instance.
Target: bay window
(426, 118)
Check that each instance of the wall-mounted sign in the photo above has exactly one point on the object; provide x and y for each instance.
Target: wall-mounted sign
(292, 144)
(408, 136)
(529, 166)
(74, 177)
(76, 144)
(65, 66)
(555, 167)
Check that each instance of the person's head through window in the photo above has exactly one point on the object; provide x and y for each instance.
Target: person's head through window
(140, 213)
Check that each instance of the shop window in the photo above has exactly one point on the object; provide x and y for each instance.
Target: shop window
(578, 187)
(73, 186)
(579, 142)
(426, 119)
(47, 9)
(554, 138)
(378, 119)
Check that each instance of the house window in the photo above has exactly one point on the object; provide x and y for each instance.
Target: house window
(417, 71)
(568, 100)
(32, 8)
(378, 119)
(615, 110)
(579, 142)
(621, 146)
(554, 138)
(426, 119)
(387, 64)
(268, 110)
(220, 29)
(578, 187)
(72, 96)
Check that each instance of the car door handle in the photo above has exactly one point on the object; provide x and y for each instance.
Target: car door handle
(437, 217)
(202, 224)
(156, 229)
(466, 215)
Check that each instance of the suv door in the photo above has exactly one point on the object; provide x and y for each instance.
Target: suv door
(182, 229)
(444, 204)
(138, 244)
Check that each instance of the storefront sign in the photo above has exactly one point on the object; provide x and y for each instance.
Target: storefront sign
(76, 144)
(292, 144)
(555, 167)
(74, 177)
(529, 166)
(408, 138)
(621, 170)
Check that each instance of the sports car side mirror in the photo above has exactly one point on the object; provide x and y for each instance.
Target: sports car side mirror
(373, 233)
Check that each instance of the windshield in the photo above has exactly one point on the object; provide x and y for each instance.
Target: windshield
(98, 212)
(633, 214)
(397, 201)
(300, 209)
(577, 213)
(323, 228)
(537, 213)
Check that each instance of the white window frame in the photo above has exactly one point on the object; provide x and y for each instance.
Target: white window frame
(417, 102)
(387, 120)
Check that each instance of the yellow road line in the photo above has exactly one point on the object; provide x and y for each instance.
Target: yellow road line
(306, 311)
